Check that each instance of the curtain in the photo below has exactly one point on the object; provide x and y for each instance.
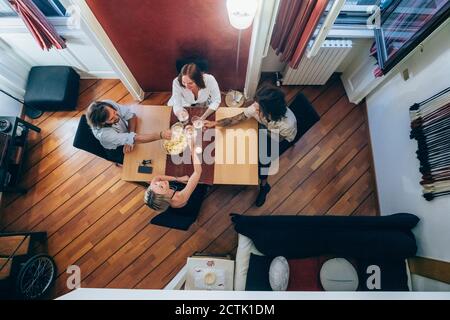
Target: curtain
(41, 29)
(295, 24)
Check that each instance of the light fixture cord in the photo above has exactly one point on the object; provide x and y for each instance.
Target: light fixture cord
(237, 63)
(238, 51)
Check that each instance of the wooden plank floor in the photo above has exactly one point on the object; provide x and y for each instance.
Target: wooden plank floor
(100, 223)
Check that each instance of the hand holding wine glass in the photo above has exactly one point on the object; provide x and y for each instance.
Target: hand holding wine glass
(197, 122)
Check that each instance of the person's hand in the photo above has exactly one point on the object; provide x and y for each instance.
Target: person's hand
(128, 148)
(166, 134)
(183, 179)
(209, 124)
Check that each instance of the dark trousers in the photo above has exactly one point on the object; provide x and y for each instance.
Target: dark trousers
(267, 152)
(282, 145)
(115, 155)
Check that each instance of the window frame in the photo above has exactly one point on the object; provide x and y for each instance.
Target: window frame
(386, 64)
(51, 3)
(330, 29)
(14, 24)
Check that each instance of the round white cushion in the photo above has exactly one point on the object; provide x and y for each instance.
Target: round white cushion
(338, 275)
(279, 274)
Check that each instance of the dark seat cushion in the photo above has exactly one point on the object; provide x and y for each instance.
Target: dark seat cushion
(306, 117)
(182, 218)
(85, 139)
(52, 88)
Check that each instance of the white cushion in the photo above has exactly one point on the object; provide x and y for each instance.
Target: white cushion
(245, 248)
(338, 275)
(279, 274)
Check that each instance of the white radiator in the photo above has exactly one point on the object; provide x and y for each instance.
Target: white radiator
(318, 69)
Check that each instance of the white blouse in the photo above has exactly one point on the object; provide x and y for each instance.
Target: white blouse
(208, 96)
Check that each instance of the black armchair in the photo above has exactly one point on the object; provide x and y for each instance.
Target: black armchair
(85, 140)
(306, 116)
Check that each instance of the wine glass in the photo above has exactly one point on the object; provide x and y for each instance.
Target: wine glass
(197, 122)
(183, 116)
(189, 131)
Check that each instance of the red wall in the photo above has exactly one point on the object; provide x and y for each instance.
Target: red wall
(151, 34)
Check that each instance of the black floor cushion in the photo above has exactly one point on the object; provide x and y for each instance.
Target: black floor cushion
(182, 218)
(52, 88)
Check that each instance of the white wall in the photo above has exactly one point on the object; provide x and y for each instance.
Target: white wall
(13, 71)
(9, 107)
(396, 167)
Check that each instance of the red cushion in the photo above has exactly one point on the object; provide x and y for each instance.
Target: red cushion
(304, 274)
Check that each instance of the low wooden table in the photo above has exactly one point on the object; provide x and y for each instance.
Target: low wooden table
(229, 167)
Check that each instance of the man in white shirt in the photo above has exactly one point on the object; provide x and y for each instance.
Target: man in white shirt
(271, 112)
(195, 88)
(114, 126)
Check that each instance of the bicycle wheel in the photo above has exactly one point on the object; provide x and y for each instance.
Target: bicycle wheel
(36, 276)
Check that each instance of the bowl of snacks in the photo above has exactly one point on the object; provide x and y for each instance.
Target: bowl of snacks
(179, 141)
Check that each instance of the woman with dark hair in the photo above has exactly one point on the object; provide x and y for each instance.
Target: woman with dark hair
(193, 87)
(168, 191)
(271, 112)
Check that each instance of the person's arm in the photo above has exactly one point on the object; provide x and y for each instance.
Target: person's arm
(127, 115)
(182, 179)
(207, 113)
(226, 121)
(249, 112)
(215, 96)
(110, 139)
(150, 137)
(192, 183)
(132, 122)
(177, 97)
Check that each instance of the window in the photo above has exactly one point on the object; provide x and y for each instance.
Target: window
(50, 8)
(343, 19)
(354, 13)
(404, 24)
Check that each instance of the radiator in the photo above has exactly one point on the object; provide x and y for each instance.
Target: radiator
(318, 69)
